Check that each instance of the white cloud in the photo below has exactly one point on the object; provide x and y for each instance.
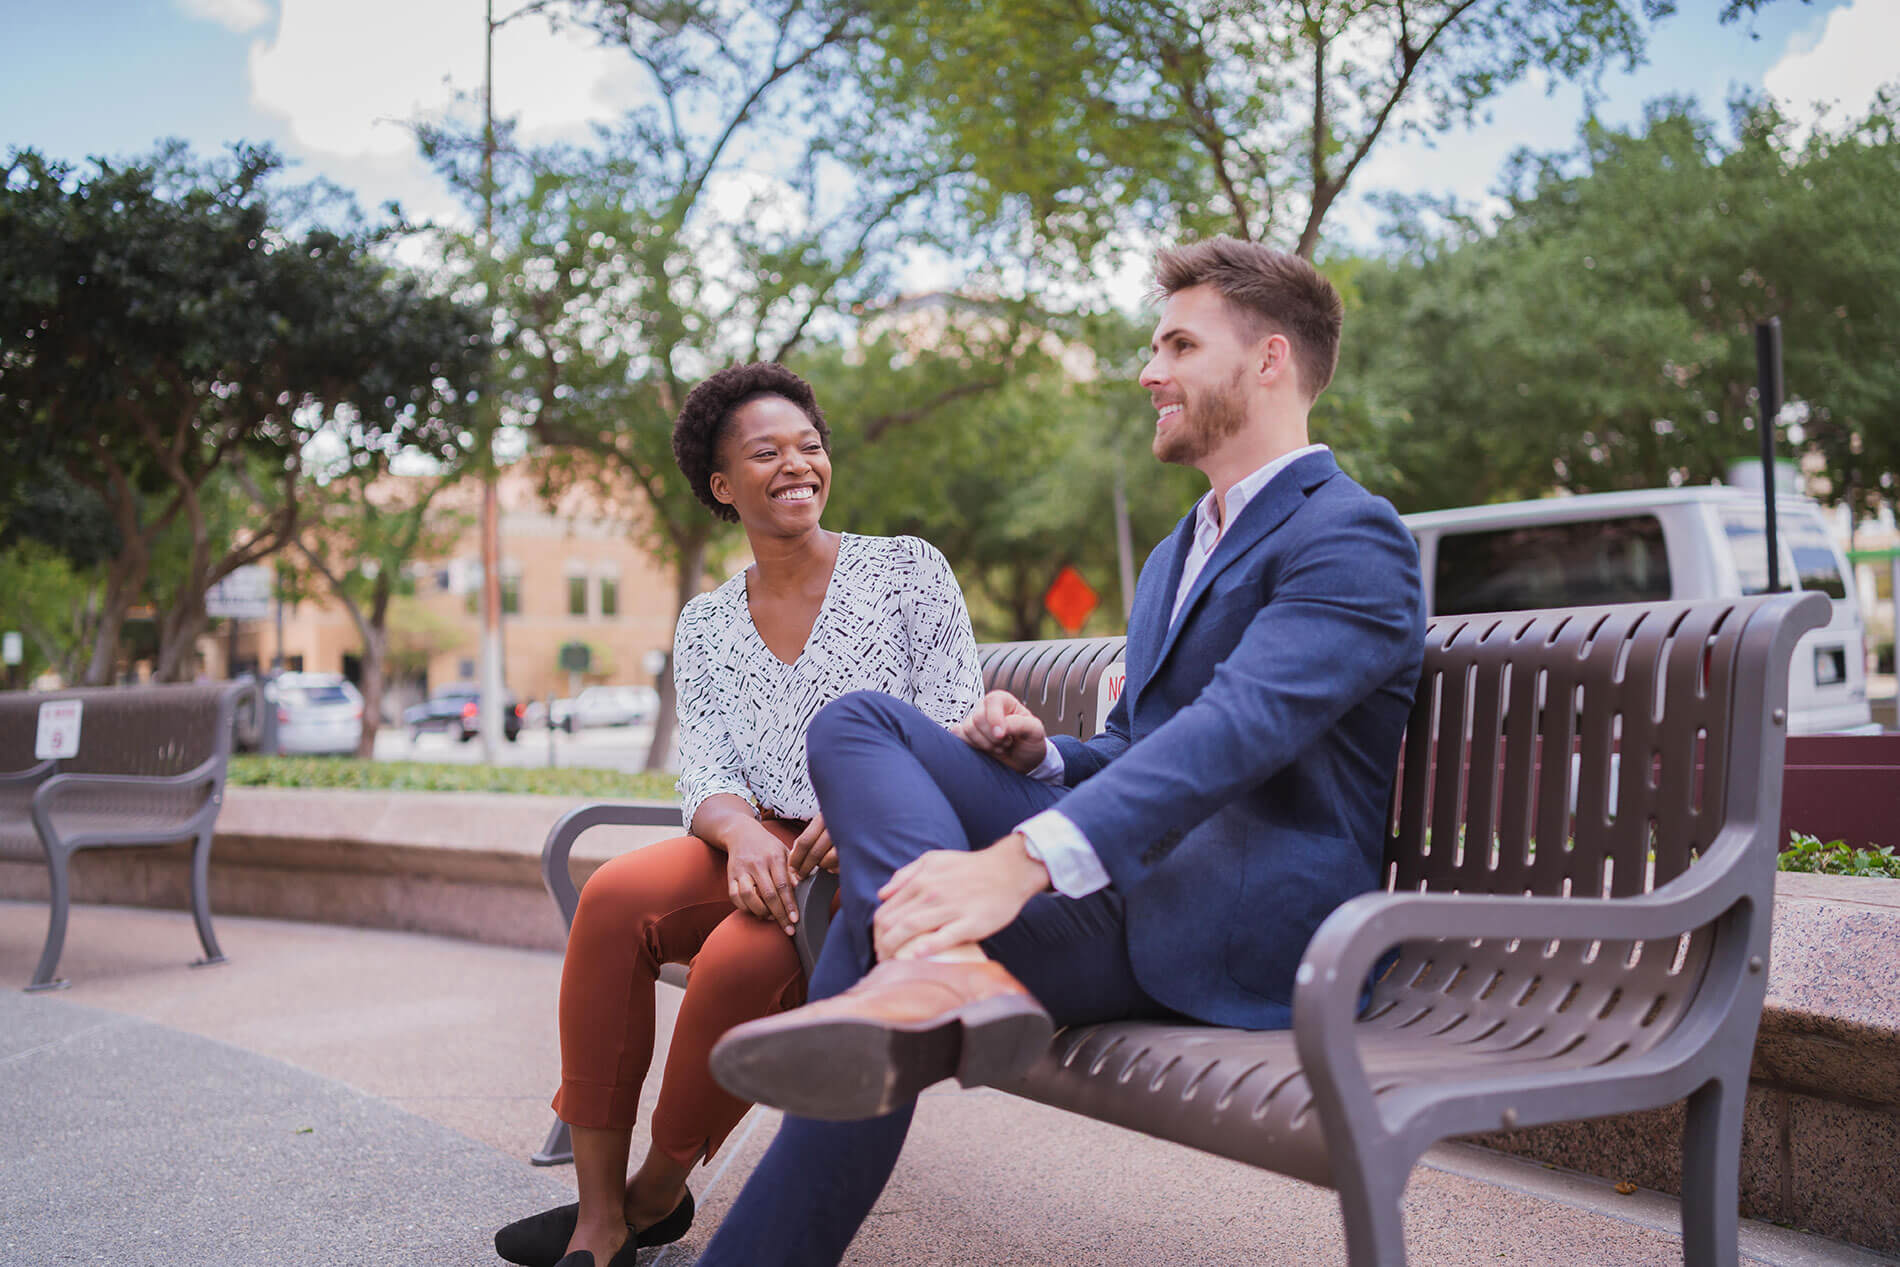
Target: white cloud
(1844, 64)
(232, 15)
(347, 74)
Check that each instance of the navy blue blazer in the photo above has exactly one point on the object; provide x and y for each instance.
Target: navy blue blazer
(1240, 790)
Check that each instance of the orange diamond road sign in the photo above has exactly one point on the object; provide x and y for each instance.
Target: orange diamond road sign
(1069, 599)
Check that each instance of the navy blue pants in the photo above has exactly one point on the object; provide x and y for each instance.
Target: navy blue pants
(894, 785)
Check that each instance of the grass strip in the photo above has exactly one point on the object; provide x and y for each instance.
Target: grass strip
(442, 776)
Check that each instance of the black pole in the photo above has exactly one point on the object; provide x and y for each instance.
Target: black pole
(1768, 387)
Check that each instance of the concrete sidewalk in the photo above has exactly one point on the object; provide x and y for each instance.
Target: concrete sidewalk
(340, 1096)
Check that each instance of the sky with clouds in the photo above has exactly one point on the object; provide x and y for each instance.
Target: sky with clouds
(331, 82)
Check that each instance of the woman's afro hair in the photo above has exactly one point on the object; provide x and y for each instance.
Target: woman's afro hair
(711, 405)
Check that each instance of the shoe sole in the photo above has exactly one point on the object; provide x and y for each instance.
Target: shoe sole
(847, 1069)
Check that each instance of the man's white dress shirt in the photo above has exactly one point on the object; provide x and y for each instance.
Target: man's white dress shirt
(1075, 869)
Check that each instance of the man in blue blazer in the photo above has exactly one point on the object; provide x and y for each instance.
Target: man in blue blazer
(996, 883)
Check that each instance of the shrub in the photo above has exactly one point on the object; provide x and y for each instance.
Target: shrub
(423, 776)
(1807, 853)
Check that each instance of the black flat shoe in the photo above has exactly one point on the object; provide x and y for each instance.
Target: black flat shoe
(668, 1229)
(625, 1256)
(540, 1240)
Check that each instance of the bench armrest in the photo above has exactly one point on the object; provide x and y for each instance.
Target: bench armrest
(50, 797)
(63, 786)
(814, 892)
(1326, 991)
(568, 828)
(32, 774)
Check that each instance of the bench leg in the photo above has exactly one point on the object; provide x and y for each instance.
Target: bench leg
(201, 899)
(61, 899)
(1711, 1168)
(558, 1149)
(1369, 1203)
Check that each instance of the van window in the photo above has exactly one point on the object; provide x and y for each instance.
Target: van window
(1578, 564)
(1807, 555)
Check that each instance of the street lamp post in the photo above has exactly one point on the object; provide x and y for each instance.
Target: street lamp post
(493, 699)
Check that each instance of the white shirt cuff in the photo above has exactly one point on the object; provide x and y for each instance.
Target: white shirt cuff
(1058, 844)
(1051, 768)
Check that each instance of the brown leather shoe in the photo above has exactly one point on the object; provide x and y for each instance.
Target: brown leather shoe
(908, 1024)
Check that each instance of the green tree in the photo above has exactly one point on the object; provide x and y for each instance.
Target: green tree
(1601, 333)
(1181, 117)
(158, 321)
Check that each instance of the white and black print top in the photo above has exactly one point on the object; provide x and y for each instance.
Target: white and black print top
(892, 620)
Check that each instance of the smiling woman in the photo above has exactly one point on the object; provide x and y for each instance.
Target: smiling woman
(817, 615)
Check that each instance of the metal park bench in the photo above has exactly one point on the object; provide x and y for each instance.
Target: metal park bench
(149, 771)
(1563, 950)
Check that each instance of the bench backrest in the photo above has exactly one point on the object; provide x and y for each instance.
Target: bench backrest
(143, 730)
(1060, 681)
(1580, 753)
(1586, 753)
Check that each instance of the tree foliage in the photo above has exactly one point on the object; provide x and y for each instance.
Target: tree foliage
(164, 318)
(1601, 334)
(1082, 118)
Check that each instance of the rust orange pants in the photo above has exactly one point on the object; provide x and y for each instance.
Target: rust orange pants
(666, 903)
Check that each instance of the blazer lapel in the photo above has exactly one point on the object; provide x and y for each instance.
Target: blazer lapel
(1284, 494)
(1154, 601)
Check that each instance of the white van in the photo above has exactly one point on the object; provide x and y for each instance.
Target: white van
(1654, 544)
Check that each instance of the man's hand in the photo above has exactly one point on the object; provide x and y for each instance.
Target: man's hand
(950, 898)
(1001, 727)
(759, 877)
(813, 850)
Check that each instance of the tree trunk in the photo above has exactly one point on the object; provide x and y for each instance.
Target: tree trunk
(178, 635)
(1025, 607)
(691, 571)
(375, 652)
(123, 582)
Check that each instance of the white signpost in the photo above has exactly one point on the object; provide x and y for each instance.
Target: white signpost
(59, 730)
(1107, 691)
(243, 595)
(12, 650)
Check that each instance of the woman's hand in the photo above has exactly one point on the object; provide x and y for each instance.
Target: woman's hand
(759, 876)
(813, 850)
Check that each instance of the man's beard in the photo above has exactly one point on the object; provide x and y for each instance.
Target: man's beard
(1204, 424)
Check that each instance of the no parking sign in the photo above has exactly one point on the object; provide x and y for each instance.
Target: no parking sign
(59, 730)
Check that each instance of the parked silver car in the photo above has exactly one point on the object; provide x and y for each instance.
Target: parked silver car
(316, 713)
(605, 706)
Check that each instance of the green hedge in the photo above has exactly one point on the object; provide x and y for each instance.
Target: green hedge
(427, 776)
(1807, 853)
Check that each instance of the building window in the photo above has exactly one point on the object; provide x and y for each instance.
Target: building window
(609, 596)
(511, 595)
(577, 596)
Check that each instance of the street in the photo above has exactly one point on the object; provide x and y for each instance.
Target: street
(605, 747)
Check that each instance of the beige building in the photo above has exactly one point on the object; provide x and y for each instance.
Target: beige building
(579, 572)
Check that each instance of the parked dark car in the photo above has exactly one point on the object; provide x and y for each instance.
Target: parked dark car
(456, 710)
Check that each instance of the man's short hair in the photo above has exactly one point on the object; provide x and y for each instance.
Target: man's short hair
(709, 408)
(1276, 292)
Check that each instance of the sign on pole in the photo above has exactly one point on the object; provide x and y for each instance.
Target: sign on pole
(1069, 599)
(59, 730)
(11, 650)
(244, 594)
